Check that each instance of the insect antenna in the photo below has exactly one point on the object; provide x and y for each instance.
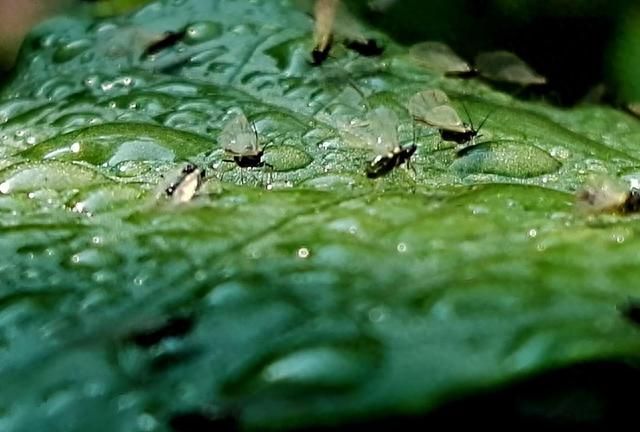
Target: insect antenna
(466, 111)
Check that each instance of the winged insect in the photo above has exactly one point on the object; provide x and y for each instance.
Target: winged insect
(382, 137)
(432, 107)
(440, 58)
(504, 66)
(239, 139)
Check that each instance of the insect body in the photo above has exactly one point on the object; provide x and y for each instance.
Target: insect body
(439, 58)
(432, 108)
(325, 15)
(240, 140)
(605, 195)
(168, 39)
(383, 164)
(381, 135)
(184, 188)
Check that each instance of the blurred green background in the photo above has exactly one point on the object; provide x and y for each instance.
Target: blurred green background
(577, 44)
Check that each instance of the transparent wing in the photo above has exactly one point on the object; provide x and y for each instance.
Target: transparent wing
(237, 136)
(602, 194)
(432, 107)
(378, 131)
(438, 57)
(383, 127)
(507, 67)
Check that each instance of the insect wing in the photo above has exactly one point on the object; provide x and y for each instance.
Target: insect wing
(507, 67)
(238, 137)
(383, 130)
(432, 107)
(439, 58)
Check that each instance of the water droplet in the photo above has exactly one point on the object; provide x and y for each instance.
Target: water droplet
(402, 247)
(71, 50)
(303, 253)
(287, 158)
(202, 32)
(533, 233)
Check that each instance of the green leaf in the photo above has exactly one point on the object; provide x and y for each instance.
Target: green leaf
(316, 295)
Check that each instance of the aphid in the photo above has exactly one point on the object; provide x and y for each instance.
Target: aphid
(507, 67)
(168, 39)
(184, 188)
(605, 195)
(325, 15)
(439, 58)
(334, 21)
(382, 136)
(432, 108)
(240, 140)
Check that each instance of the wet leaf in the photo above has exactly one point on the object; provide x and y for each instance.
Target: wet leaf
(318, 296)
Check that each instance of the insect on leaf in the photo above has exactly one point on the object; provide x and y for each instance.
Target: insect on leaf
(432, 108)
(238, 137)
(602, 194)
(507, 67)
(438, 57)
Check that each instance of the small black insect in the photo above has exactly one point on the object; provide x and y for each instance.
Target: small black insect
(203, 421)
(320, 53)
(383, 164)
(365, 47)
(168, 39)
(325, 15)
(187, 184)
(631, 311)
(172, 328)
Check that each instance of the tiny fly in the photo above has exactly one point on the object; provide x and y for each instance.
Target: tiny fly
(432, 108)
(382, 136)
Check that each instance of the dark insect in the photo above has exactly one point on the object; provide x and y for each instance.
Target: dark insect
(203, 421)
(631, 311)
(187, 184)
(383, 164)
(325, 15)
(172, 328)
(167, 40)
(365, 47)
(319, 54)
